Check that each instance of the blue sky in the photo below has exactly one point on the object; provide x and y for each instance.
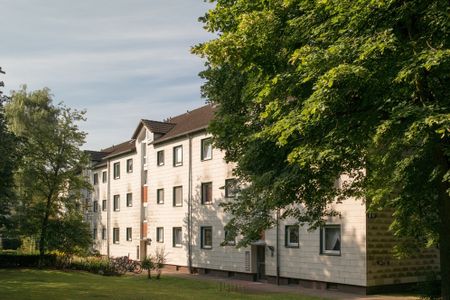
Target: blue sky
(121, 60)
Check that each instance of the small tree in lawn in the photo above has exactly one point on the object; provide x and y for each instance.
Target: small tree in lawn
(160, 260)
(149, 264)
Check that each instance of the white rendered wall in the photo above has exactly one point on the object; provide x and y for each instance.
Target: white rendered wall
(306, 261)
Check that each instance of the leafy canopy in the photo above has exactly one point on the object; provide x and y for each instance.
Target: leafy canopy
(309, 90)
(50, 178)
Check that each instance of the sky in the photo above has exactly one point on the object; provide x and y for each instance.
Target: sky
(121, 60)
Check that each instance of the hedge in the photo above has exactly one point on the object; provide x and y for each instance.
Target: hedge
(14, 260)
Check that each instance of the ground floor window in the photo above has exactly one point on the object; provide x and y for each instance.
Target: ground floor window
(292, 236)
(129, 234)
(330, 239)
(177, 237)
(116, 235)
(206, 237)
(160, 234)
(229, 241)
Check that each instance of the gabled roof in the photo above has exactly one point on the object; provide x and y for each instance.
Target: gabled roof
(192, 121)
(153, 126)
(119, 149)
(96, 156)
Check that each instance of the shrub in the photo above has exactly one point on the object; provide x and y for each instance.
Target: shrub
(97, 265)
(14, 260)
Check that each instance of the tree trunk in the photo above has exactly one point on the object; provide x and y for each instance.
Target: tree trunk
(149, 275)
(43, 237)
(444, 230)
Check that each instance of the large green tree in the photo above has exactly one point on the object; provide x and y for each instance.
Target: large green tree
(308, 90)
(49, 180)
(9, 158)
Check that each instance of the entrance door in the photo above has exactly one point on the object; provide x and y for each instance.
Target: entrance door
(261, 262)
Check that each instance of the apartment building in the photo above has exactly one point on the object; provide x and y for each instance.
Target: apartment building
(163, 188)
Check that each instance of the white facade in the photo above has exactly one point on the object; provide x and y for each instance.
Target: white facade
(335, 254)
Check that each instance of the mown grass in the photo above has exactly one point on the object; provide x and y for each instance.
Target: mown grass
(52, 284)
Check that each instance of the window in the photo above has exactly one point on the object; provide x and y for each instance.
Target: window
(95, 206)
(292, 236)
(94, 234)
(178, 196)
(178, 156)
(206, 149)
(160, 158)
(228, 241)
(104, 205)
(330, 240)
(129, 234)
(160, 196)
(130, 165)
(145, 176)
(95, 178)
(116, 202)
(144, 153)
(206, 237)
(115, 235)
(230, 188)
(160, 234)
(177, 237)
(117, 170)
(103, 233)
(129, 199)
(104, 177)
(207, 193)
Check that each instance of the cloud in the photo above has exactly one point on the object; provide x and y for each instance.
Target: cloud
(121, 60)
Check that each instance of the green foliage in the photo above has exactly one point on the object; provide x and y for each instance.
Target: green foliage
(69, 236)
(155, 262)
(96, 265)
(9, 158)
(310, 90)
(15, 260)
(49, 180)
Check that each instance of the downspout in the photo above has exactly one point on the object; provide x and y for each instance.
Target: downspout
(108, 205)
(190, 207)
(278, 246)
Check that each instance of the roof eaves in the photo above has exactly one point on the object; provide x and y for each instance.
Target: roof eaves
(162, 139)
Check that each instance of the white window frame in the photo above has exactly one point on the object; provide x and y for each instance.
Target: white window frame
(129, 199)
(203, 155)
(160, 234)
(176, 162)
(129, 232)
(160, 162)
(288, 242)
(323, 233)
(231, 187)
(203, 243)
(175, 243)
(116, 172)
(204, 195)
(116, 235)
(175, 196)
(228, 243)
(129, 165)
(116, 207)
(160, 196)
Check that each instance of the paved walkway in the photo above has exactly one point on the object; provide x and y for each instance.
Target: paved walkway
(260, 287)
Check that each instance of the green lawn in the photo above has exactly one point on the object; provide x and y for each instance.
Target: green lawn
(51, 284)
